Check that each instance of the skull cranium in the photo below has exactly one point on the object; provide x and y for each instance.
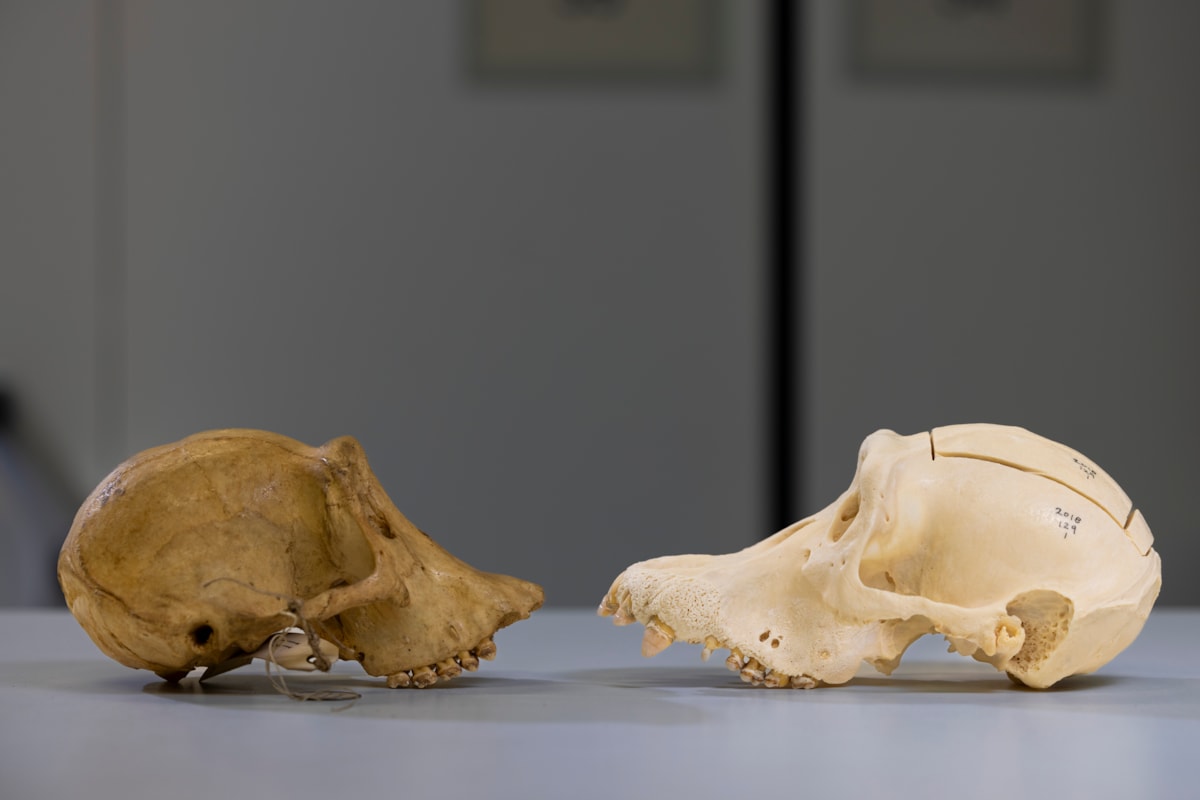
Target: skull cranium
(196, 553)
(1020, 551)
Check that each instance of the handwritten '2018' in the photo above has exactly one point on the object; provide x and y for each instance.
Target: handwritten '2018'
(1067, 521)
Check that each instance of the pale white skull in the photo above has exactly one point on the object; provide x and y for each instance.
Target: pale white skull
(1019, 550)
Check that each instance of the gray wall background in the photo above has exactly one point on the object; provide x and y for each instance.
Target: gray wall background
(536, 306)
(1025, 255)
(540, 308)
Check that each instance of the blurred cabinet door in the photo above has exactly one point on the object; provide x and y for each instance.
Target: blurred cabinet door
(536, 307)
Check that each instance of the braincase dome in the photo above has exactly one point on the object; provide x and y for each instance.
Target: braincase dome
(964, 514)
(190, 551)
(219, 505)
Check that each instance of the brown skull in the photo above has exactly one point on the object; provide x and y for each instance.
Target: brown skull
(195, 554)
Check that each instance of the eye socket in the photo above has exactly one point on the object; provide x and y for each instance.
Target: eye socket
(201, 634)
(846, 515)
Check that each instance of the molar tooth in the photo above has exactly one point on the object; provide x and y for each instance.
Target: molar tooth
(447, 668)
(736, 661)
(753, 672)
(777, 680)
(423, 677)
(803, 682)
(468, 661)
(486, 649)
(401, 680)
(710, 644)
(658, 637)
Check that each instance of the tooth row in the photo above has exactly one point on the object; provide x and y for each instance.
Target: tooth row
(754, 673)
(659, 635)
(444, 670)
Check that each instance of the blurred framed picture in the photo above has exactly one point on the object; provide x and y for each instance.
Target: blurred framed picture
(552, 41)
(974, 40)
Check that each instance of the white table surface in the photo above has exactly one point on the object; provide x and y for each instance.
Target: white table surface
(570, 710)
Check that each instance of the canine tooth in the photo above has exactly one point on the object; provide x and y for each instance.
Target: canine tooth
(710, 644)
(447, 669)
(753, 672)
(469, 662)
(736, 661)
(423, 677)
(658, 637)
(401, 680)
(486, 649)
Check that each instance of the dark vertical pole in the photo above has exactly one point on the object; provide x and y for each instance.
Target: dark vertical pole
(782, 75)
